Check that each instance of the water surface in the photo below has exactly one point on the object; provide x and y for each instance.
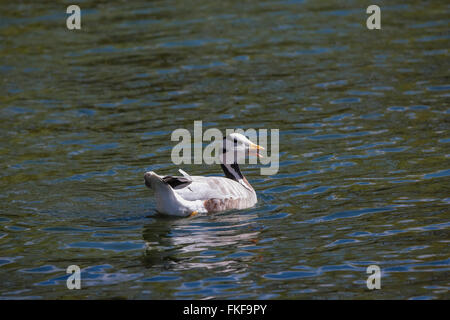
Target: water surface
(364, 141)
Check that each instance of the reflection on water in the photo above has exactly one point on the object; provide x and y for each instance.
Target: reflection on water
(364, 143)
(201, 242)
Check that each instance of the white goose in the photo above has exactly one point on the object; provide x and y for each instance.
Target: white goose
(189, 195)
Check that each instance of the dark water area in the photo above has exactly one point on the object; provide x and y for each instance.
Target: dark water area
(364, 148)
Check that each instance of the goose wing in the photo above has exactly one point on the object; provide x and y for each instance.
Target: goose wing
(178, 182)
(205, 188)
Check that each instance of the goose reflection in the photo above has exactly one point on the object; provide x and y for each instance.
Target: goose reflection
(218, 241)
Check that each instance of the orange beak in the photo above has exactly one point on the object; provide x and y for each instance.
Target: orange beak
(254, 150)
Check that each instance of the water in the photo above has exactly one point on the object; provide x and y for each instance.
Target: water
(364, 140)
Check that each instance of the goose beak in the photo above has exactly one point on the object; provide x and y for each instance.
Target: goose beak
(254, 150)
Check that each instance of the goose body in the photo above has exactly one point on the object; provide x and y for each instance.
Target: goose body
(188, 195)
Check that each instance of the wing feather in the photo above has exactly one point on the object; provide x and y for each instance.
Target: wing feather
(205, 188)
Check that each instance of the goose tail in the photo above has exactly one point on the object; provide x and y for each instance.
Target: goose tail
(156, 182)
(167, 200)
(163, 191)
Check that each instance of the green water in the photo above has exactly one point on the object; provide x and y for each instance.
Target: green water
(364, 148)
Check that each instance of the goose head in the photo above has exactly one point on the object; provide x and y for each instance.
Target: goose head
(236, 147)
